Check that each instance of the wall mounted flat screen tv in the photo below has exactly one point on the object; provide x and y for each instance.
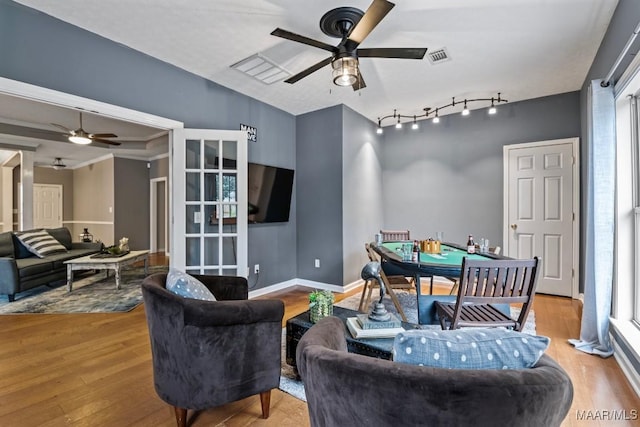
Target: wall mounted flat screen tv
(269, 193)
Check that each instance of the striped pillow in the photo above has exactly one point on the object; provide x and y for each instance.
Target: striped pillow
(40, 242)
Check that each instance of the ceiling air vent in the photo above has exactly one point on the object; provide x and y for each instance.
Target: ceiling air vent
(439, 55)
(261, 68)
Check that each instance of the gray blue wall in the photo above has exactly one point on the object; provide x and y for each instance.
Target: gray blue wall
(449, 176)
(319, 195)
(362, 200)
(38, 49)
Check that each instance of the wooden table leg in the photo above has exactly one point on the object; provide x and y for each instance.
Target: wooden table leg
(146, 265)
(117, 270)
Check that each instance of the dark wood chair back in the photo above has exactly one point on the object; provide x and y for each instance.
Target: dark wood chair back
(482, 285)
(395, 235)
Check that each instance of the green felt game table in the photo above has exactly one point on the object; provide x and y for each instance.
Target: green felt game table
(447, 263)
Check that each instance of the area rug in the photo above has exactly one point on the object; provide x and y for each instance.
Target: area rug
(93, 293)
(291, 384)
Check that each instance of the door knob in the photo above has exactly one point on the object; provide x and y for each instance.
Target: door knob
(514, 226)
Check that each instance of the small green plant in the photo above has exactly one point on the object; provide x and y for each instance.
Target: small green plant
(320, 304)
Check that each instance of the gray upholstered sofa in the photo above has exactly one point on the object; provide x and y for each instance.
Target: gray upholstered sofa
(346, 389)
(21, 270)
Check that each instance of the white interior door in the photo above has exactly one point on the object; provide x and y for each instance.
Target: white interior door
(541, 210)
(209, 202)
(47, 206)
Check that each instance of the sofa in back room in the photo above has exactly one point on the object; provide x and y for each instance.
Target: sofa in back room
(21, 269)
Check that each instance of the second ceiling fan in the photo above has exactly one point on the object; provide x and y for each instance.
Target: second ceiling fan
(352, 26)
(82, 137)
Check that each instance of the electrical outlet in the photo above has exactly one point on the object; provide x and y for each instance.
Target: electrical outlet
(256, 268)
(317, 263)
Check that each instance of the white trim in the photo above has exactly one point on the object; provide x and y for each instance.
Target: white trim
(575, 144)
(306, 283)
(93, 161)
(49, 96)
(272, 288)
(631, 336)
(88, 222)
(159, 156)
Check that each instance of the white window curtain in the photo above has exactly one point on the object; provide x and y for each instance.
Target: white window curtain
(599, 242)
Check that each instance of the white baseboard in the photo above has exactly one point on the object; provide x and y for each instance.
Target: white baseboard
(304, 282)
(272, 288)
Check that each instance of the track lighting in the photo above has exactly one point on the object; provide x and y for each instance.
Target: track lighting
(429, 112)
(465, 110)
(492, 110)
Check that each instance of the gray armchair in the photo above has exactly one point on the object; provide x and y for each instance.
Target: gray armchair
(209, 353)
(345, 389)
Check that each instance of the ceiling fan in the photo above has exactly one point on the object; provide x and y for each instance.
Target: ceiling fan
(58, 164)
(80, 136)
(352, 26)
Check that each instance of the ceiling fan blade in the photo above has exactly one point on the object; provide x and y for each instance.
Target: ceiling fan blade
(105, 141)
(279, 32)
(372, 17)
(102, 135)
(359, 84)
(391, 52)
(309, 70)
(66, 130)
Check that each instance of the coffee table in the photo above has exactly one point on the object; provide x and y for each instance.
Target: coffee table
(115, 263)
(373, 347)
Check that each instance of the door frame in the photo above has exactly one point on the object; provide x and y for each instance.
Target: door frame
(50, 96)
(60, 205)
(153, 214)
(575, 148)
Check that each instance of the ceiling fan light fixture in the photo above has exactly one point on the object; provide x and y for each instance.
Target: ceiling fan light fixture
(345, 71)
(57, 164)
(80, 139)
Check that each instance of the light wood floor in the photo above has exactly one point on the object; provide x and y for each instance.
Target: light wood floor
(95, 370)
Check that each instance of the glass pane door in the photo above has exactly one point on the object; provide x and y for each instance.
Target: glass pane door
(210, 187)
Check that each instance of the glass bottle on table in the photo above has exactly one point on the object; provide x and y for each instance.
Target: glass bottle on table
(415, 254)
(471, 246)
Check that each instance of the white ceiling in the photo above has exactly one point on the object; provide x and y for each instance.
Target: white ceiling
(522, 48)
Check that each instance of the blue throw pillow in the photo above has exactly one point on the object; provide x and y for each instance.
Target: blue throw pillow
(185, 285)
(470, 348)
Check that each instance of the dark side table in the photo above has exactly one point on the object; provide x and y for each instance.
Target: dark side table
(372, 347)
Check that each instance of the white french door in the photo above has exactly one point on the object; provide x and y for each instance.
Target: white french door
(209, 202)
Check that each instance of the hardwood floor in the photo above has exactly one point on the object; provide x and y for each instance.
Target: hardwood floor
(95, 370)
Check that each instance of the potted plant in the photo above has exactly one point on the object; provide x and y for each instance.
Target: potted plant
(320, 304)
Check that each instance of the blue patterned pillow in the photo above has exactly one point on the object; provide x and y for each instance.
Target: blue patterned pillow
(185, 285)
(470, 348)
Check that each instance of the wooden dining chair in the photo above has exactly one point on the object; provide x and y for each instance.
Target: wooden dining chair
(482, 285)
(395, 235)
(390, 282)
(454, 288)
